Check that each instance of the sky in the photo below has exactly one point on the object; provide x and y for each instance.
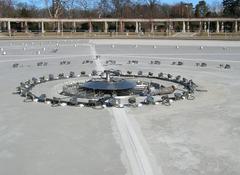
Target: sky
(40, 3)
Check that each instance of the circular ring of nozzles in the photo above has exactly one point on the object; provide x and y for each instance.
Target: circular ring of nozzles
(25, 90)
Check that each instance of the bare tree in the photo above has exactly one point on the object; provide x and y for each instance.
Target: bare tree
(152, 10)
(217, 8)
(57, 7)
(83, 5)
(104, 8)
(116, 8)
(7, 8)
(47, 4)
(128, 10)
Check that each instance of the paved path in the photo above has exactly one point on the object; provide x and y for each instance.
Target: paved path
(138, 160)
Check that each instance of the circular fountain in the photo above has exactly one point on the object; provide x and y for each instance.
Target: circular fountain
(111, 86)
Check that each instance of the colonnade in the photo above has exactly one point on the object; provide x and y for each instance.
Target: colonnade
(203, 23)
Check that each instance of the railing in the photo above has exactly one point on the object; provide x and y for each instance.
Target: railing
(117, 20)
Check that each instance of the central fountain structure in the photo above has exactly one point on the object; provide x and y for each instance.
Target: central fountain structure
(112, 85)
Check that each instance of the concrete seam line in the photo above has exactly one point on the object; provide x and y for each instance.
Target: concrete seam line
(137, 158)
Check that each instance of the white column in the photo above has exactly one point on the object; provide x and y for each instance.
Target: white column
(184, 27)
(170, 27)
(200, 26)
(105, 27)
(222, 27)
(236, 26)
(217, 27)
(58, 27)
(39, 26)
(4, 25)
(9, 28)
(188, 27)
(62, 28)
(208, 28)
(90, 27)
(42, 27)
(136, 28)
(166, 26)
(74, 26)
(22, 26)
(205, 26)
(116, 26)
(152, 27)
(121, 26)
(26, 27)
